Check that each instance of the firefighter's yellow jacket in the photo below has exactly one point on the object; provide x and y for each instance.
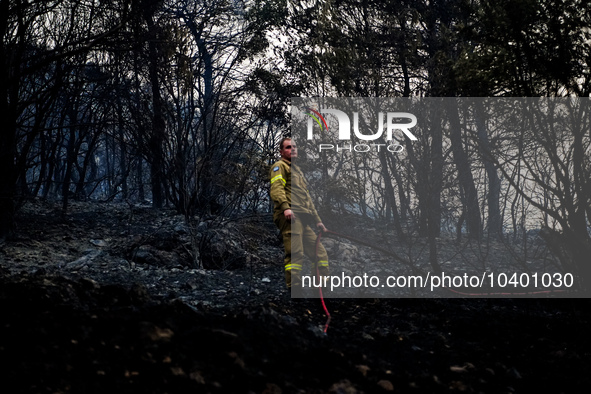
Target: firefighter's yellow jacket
(288, 184)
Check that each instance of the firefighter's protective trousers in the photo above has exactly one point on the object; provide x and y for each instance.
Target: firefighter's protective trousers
(299, 239)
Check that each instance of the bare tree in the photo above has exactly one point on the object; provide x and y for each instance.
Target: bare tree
(36, 36)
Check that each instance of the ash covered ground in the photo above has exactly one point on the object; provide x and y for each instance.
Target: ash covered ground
(109, 298)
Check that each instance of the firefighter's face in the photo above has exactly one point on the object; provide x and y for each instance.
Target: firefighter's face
(289, 150)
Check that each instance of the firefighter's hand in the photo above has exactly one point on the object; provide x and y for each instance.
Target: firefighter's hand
(288, 214)
(321, 227)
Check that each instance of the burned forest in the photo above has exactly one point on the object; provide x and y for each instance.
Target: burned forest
(440, 154)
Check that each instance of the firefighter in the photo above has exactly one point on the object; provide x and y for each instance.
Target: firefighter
(295, 224)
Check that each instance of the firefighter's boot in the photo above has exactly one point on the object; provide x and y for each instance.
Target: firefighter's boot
(324, 275)
(293, 280)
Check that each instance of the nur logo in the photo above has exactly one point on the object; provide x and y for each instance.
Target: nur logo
(402, 121)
